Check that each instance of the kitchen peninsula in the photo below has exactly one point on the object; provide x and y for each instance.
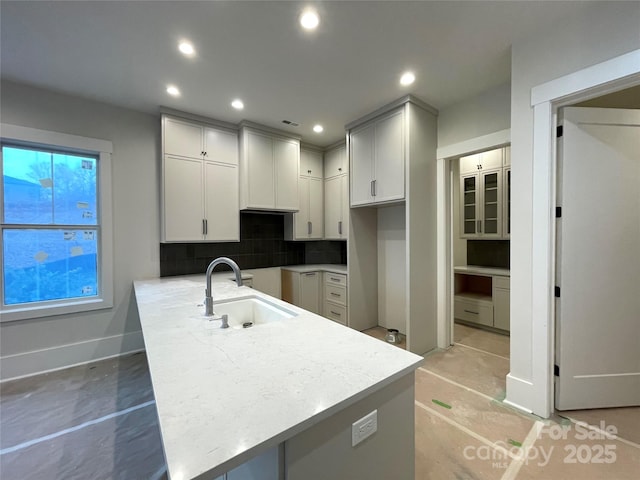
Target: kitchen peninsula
(282, 395)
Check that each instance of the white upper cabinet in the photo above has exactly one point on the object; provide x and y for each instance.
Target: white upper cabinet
(482, 161)
(485, 187)
(269, 171)
(362, 165)
(192, 140)
(311, 163)
(183, 200)
(378, 160)
(336, 193)
(286, 155)
(335, 162)
(308, 222)
(336, 208)
(199, 183)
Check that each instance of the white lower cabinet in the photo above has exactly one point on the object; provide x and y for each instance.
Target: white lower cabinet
(501, 302)
(482, 299)
(335, 297)
(302, 289)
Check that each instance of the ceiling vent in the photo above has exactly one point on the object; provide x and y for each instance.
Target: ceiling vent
(289, 122)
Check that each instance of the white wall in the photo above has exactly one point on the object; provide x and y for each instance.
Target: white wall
(392, 268)
(483, 114)
(595, 33)
(48, 343)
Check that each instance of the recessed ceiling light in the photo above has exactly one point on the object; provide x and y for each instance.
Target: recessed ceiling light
(186, 48)
(407, 78)
(237, 104)
(173, 90)
(318, 128)
(309, 19)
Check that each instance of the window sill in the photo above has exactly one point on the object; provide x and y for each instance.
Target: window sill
(64, 308)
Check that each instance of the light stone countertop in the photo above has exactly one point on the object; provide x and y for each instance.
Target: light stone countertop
(225, 396)
(489, 271)
(324, 267)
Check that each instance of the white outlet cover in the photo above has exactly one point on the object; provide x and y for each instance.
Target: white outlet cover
(364, 428)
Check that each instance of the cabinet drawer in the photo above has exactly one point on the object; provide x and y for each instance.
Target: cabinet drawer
(337, 313)
(335, 293)
(501, 282)
(336, 278)
(476, 312)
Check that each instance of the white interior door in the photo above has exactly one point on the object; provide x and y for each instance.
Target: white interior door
(598, 259)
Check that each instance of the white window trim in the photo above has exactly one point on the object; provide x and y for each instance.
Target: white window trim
(103, 149)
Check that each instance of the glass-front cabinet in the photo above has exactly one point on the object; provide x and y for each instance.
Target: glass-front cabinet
(485, 195)
(469, 189)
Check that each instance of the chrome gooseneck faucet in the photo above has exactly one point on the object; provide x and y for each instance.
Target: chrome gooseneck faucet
(208, 300)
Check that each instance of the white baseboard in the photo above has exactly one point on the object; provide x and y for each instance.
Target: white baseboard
(519, 393)
(36, 362)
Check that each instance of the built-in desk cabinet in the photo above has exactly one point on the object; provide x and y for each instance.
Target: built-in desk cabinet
(482, 299)
(199, 167)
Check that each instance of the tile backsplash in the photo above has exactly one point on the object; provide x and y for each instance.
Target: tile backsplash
(489, 253)
(261, 245)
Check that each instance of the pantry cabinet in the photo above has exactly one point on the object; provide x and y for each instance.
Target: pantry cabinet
(378, 160)
(269, 171)
(308, 222)
(482, 197)
(336, 194)
(199, 168)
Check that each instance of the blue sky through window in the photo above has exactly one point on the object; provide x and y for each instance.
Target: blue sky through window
(56, 192)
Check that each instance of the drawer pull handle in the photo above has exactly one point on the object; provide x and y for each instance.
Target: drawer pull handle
(333, 294)
(335, 313)
(469, 311)
(335, 279)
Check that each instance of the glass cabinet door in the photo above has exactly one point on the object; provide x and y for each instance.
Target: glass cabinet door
(491, 204)
(469, 199)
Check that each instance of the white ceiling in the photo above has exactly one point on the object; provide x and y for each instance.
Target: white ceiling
(125, 53)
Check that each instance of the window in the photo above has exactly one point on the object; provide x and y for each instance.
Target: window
(56, 221)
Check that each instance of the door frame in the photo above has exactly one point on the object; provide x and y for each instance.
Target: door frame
(591, 82)
(444, 226)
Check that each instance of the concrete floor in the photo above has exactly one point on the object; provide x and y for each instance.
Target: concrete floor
(98, 421)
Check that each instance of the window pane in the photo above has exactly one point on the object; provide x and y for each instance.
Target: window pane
(27, 178)
(74, 190)
(49, 264)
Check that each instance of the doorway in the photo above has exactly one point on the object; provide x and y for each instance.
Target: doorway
(535, 392)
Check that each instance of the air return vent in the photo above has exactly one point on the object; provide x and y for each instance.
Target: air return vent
(289, 122)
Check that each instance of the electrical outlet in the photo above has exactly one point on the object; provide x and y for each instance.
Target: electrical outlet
(364, 428)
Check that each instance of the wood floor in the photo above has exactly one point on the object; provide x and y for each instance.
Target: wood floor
(98, 421)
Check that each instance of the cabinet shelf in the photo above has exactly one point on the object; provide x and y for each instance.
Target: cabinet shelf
(476, 297)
